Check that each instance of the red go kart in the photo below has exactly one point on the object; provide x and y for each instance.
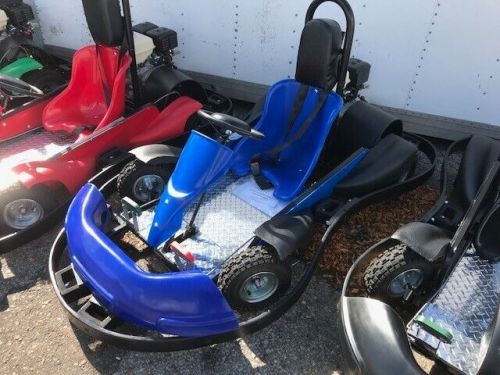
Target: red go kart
(52, 146)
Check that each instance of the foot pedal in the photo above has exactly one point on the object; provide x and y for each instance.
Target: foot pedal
(435, 329)
(70, 285)
(184, 254)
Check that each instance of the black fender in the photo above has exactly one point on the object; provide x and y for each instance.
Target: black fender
(162, 80)
(363, 125)
(386, 163)
(427, 240)
(286, 233)
(156, 154)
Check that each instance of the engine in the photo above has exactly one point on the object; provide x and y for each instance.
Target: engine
(16, 17)
(154, 55)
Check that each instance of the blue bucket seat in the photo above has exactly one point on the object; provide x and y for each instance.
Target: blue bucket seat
(298, 115)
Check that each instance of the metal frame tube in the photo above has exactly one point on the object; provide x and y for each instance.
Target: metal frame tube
(129, 33)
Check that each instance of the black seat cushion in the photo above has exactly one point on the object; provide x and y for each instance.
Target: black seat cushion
(319, 53)
(105, 21)
(385, 164)
(477, 160)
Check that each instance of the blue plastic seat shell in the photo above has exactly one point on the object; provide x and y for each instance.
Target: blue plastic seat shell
(202, 162)
(298, 161)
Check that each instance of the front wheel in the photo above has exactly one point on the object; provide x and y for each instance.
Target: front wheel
(21, 208)
(395, 273)
(143, 182)
(254, 279)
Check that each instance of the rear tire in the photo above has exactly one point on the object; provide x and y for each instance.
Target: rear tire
(21, 208)
(143, 182)
(254, 279)
(390, 275)
(46, 80)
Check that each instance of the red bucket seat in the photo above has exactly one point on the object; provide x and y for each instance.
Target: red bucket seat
(95, 95)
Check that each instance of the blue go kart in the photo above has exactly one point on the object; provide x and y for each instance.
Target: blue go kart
(228, 218)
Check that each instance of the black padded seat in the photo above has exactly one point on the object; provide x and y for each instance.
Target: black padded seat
(477, 160)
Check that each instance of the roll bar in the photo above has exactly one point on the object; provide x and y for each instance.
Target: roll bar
(129, 35)
(349, 36)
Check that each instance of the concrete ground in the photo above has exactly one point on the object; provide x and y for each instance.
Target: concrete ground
(36, 337)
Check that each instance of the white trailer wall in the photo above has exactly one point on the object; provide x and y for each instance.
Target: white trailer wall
(429, 57)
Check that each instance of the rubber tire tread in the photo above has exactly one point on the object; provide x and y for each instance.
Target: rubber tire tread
(236, 266)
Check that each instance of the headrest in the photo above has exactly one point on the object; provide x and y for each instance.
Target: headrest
(319, 53)
(105, 21)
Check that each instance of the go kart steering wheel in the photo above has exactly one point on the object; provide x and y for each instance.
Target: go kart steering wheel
(12, 87)
(231, 123)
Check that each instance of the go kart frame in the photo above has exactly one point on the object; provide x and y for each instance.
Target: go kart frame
(351, 162)
(433, 285)
(52, 145)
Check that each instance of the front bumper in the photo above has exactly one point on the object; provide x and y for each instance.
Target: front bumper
(179, 303)
(374, 339)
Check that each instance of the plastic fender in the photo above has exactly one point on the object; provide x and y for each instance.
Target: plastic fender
(427, 240)
(287, 233)
(170, 122)
(164, 79)
(180, 303)
(151, 153)
(202, 162)
(20, 67)
(71, 173)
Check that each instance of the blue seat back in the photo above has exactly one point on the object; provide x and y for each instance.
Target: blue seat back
(296, 162)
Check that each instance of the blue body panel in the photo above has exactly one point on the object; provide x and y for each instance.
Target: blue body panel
(202, 162)
(178, 303)
(297, 161)
(326, 187)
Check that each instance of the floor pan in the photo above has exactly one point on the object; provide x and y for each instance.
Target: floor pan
(465, 306)
(225, 224)
(37, 145)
